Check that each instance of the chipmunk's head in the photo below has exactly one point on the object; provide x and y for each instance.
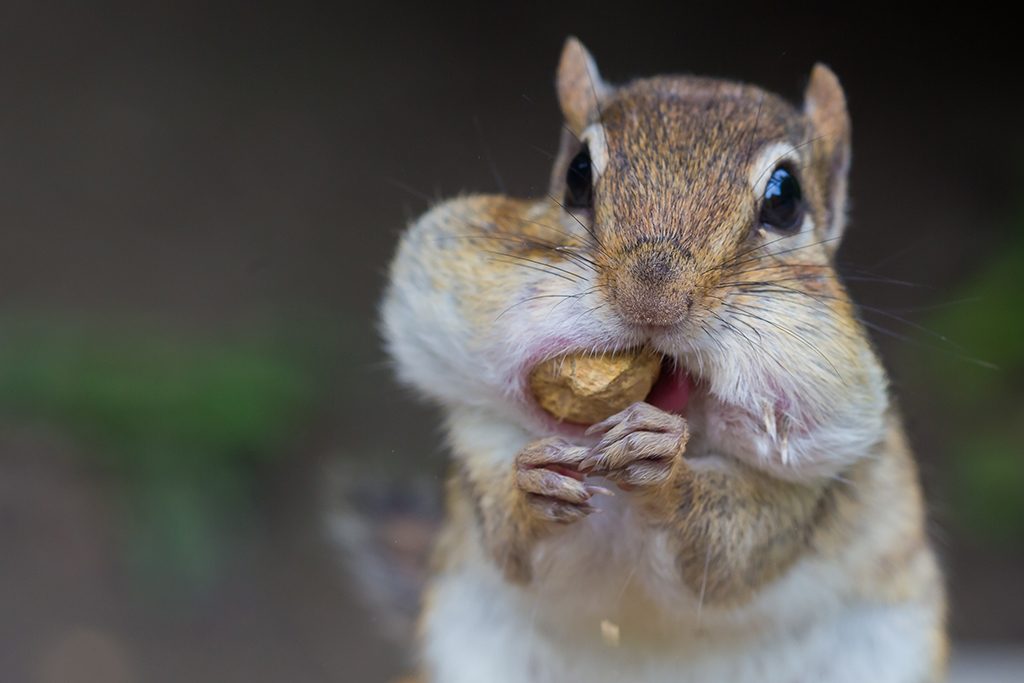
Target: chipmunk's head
(686, 182)
(691, 216)
(713, 211)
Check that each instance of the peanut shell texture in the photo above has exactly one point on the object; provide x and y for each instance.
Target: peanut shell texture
(587, 388)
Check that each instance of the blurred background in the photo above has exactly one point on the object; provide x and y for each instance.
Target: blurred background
(197, 205)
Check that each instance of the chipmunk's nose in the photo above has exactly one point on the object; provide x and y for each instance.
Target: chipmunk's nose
(652, 284)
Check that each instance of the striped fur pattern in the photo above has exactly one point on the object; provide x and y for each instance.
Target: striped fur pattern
(775, 530)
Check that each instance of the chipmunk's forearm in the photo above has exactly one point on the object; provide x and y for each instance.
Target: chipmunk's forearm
(507, 532)
(517, 503)
(736, 528)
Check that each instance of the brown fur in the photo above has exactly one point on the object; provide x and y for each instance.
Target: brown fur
(673, 239)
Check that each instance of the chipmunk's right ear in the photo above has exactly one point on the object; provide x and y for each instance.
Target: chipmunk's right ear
(580, 87)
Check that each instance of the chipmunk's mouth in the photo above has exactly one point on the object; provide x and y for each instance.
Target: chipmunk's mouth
(671, 392)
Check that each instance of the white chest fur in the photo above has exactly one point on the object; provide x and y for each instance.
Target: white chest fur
(561, 628)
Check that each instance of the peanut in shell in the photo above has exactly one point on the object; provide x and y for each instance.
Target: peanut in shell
(585, 388)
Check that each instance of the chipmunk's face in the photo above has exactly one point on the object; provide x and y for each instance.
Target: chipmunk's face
(687, 184)
(712, 211)
(677, 178)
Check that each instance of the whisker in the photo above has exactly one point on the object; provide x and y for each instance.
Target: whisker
(571, 277)
(703, 584)
(788, 251)
(816, 305)
(498, 180)
(733, 259)
(713, 338)
(879, 279)
(938, 306)
(590, 230)
(931, 347)
(568, 252)
(740, 311)
(519, 257)
(543, 152)
(957, 350)
(771, 166)
(405, 187)
(781, 266)
(589, 311)
(563, 297)
(753, 346)
(753, 130)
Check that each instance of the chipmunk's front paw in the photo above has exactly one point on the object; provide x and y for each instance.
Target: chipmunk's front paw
(641, 446)
(548, 474)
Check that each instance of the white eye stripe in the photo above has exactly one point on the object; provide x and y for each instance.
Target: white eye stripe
(770, 157)
(597, 143)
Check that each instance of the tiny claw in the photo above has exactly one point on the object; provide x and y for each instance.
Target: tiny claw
(564, 471)
(599, 489)
(603, 425)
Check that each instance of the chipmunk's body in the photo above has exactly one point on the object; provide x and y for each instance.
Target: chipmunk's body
(769, 524)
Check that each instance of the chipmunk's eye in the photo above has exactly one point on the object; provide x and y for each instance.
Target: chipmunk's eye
(579, 184)
(782, 207)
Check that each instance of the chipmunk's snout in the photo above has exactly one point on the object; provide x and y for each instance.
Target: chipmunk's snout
(652, 284)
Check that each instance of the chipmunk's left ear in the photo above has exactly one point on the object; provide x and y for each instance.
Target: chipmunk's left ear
(825, 107)
(580, 87)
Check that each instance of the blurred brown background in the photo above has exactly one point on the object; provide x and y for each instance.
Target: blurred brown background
(198, 202)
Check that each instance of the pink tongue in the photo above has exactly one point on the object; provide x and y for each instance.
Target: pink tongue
(672, 391)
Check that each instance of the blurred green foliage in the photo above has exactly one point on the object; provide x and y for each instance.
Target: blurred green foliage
(982, 408)
(223, 399)
(181, 424)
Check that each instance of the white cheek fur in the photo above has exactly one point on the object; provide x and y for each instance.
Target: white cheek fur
(483, 366)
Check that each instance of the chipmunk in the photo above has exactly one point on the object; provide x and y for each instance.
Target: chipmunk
(758, 517)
